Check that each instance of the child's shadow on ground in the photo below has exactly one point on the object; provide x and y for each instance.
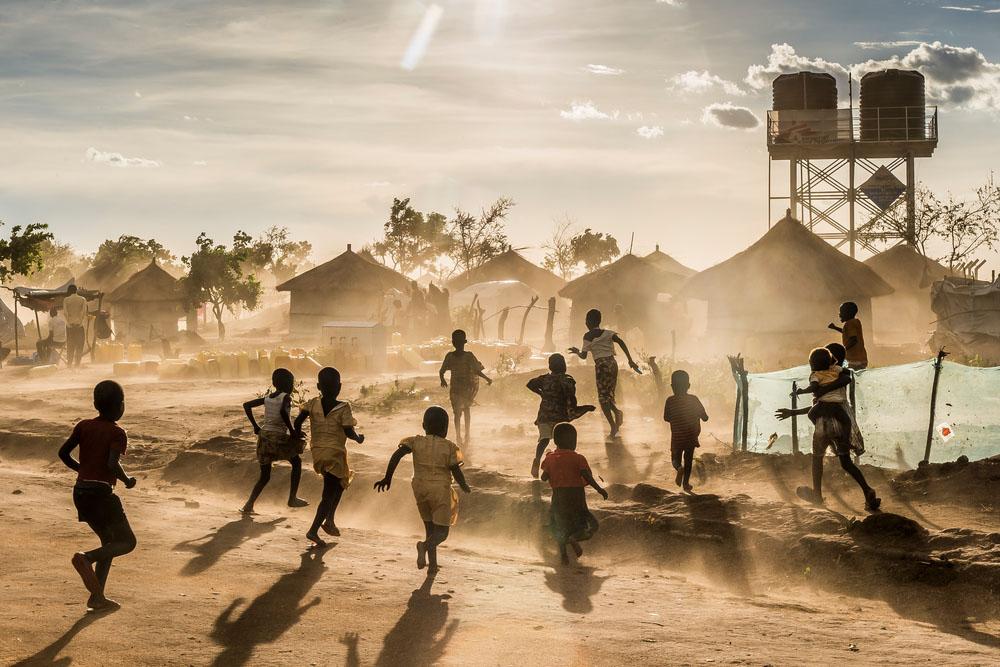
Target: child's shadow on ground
(576, 584)
(48, 654)
(414, 641)
(623, 467)
(270, 614)
(210, 548)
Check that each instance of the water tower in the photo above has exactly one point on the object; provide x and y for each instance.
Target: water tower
(847, 167)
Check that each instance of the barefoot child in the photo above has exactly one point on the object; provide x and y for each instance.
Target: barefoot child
(277, 440)
(435, 461)
(601, 344)
(102, 442)
(558, 392)
(568, 473)
(465, 373)
(684, 412)
(331, 423)
(830, 430)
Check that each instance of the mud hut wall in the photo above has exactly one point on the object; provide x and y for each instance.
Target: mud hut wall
(309, 310)
(133, 319)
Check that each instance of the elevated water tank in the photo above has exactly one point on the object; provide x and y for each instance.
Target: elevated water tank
(892, 106)
(804, 90)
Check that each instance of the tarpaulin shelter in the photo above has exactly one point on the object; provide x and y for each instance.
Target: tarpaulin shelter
(147, 305)
(43, 300)
(968, 316)
(348, 287)
(10, 326)
(773, 301)
(510, 265)
(905, 316)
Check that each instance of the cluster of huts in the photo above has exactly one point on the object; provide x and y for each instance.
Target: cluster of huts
(776, 295)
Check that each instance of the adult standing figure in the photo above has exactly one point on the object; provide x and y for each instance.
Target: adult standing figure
(601, 344)
(75, 312)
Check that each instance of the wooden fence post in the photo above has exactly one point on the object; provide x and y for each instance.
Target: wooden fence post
(795, 418)
(934, 389)
(550, 345)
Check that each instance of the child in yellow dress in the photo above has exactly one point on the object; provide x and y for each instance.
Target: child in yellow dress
(435, 461)
(331, 423)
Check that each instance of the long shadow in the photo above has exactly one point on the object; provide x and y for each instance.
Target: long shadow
(47, 656)
(577, 585)
(210, 548)
(884, 485)
(350, 640)
(270, 614)
(622, 467)
(414, 641)
(725, 555)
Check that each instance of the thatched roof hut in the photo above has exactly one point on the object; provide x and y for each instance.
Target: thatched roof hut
(631, 282)
(665, 262)
(348, 287)
(783, 289)
(905, 316)
(147, 305)
(511, 265)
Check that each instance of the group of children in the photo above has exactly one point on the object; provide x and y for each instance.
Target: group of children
(437, 461)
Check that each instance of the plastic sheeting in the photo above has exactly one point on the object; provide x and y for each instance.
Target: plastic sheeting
(893, 411)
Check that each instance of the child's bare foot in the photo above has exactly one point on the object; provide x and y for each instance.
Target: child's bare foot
(534, 468)
(619, 418)
(688, 488)
(614, 432)
(248, 510)
(85, 569)
(577, 549)
(297, 502)
(314, 537)
(331, 529)
(98, 602)
(679, 478)
(421, 555)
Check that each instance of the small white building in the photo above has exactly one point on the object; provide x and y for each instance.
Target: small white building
(358, 346)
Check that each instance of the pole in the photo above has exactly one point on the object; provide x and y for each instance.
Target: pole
(550, 345)
(911, 202)
(524, 320)
(934, 389)
(793, 186)
(502, 323)
(795, 417)
(17, 340)
(746, 410)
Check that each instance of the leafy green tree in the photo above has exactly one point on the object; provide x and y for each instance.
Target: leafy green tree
(21, 252)
(274, 251)
(594, 249)
(59, 263)
(215, 277)
(115, 257)
(412, 240)
(477, 240)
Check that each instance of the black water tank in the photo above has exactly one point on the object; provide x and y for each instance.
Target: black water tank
(892, 106)
(804, 90)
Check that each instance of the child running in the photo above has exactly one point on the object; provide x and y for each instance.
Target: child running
(465, 370)
(601, 344)
(277, 439)
(684, 412)
(829, 430)
(435, 461)
(558, 392)
(102, 443)
(853, 336)
(331, 423)
(568, 473)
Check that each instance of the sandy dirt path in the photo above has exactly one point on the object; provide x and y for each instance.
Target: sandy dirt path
(206, 587)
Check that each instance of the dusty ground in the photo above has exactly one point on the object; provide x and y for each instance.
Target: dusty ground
(741, 574)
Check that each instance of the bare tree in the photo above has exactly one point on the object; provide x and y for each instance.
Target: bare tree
(559, 255)
(477, 240)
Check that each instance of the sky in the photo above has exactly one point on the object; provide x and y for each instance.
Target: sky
(635, 117)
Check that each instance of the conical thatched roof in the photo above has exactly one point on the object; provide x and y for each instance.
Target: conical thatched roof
(628, 274)
(511, 266)
(151, 284)
(905, 269)
(347, 271)
(665, 262)
(788, 263)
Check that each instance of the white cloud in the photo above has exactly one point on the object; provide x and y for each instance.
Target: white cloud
(200, 163)
(118, 160)
(730, 116)
(586, 111)
(956, 76)
(672, 3)
(962, 9)
(650, 131)
(784, 60)
(603, 70)
(694, 81)
(875, 46)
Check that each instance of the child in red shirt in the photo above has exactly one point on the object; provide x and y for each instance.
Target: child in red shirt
(568, 473)
(102, 442)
